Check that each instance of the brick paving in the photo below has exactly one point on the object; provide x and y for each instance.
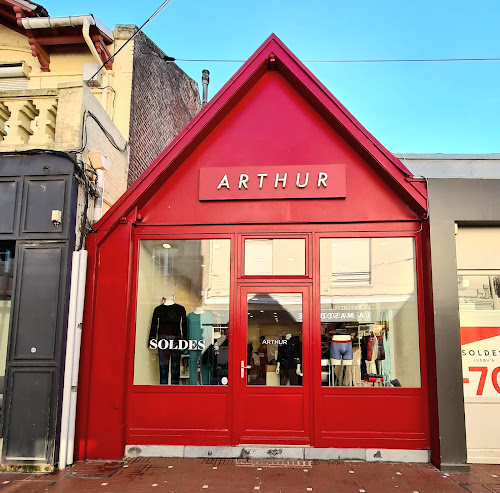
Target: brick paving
(263, 476)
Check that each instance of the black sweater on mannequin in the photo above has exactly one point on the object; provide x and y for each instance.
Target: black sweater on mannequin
(167, 321)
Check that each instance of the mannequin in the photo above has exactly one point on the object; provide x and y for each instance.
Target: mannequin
(289, 360)
(341, 355)
(169, 323)
(200, 324)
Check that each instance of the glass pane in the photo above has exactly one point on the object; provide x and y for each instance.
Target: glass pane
(274, 339)
(182, 334)
(275, 257)
(369, 313)
(7, 253)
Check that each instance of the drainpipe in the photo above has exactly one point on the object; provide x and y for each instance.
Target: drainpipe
(72, 361)
(73, 21)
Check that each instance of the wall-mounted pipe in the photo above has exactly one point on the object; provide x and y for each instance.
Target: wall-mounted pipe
(72, 360)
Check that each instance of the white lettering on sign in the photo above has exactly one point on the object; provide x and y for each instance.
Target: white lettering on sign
(243, 181)
(278, 342)
(297, 182)
(225, 183)
(282, 180)
(192, 345)
(322, 177)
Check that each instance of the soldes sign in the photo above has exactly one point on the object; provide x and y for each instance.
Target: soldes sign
(273, 182)
(193, 345)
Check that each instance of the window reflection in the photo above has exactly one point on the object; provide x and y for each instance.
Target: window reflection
(278, 257)
(369, 315)
(274, 339)
(182, 328)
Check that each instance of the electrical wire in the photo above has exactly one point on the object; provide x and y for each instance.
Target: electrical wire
(399, 60)
(110, 138)
(157, 11)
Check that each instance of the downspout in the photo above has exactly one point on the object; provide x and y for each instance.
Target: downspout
(72, 360)
(73, 21)
(92, 48)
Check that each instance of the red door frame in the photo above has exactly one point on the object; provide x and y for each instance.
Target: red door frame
(244, 394)
(241, 283)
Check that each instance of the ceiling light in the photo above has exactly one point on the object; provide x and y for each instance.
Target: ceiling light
(216, 245)
(291, 259)
(167, 245)
(259, 259)
(262, 311)
(203, 265)
(383, 243)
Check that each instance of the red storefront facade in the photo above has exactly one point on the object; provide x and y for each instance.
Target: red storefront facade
(258, 214)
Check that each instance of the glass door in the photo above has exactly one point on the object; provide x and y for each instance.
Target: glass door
(272, 395)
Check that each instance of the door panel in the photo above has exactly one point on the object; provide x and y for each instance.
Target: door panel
(272, 393)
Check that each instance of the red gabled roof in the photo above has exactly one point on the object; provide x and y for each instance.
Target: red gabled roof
(271, 55)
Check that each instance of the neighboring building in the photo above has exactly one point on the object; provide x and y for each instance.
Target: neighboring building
(70, 145)
(464, 221)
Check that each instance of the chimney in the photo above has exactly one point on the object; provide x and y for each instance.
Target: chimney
(205, 80)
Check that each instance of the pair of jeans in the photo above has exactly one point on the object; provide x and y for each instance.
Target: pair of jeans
(172, 356)
(341, 350)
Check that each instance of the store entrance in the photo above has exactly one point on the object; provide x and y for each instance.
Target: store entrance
(271, 400)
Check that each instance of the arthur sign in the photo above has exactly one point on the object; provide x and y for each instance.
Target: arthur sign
(273, 182)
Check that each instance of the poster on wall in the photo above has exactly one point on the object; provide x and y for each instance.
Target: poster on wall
(481, 362)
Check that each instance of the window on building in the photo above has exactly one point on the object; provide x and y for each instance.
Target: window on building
(275, 257)
(182, 323)
(369, 313)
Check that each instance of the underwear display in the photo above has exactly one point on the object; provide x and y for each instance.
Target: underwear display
(341, 350)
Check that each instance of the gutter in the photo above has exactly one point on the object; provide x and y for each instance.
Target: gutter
(69, 21)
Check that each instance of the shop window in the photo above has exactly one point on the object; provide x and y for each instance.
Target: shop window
(182, 324)
(275, 257)
(369, 313)
(7, 254)
(478, 277)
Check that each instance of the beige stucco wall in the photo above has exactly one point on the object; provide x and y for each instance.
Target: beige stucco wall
(66, 65)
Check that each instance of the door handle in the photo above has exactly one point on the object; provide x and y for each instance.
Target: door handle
(243, 368)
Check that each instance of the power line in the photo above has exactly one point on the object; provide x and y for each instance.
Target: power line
(400, 60)
(157, 11)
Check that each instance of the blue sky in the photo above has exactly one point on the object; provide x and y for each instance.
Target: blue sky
(409, 107)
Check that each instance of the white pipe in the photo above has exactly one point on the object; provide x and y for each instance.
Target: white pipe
(100, 200)
(80, 301)
(86, 36)
(70, 337)
(68, 21)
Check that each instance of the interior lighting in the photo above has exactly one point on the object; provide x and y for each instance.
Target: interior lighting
(203, 265)
(259, 259)
(262, 311)
(216, 245)
(291, 259)
(383, 243)
(167, 245)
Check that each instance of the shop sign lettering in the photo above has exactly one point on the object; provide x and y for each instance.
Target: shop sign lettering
(481, 362)
(192, 345)
(273, 182)
(277, 342)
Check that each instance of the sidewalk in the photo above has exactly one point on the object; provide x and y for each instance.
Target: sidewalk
(238, 475)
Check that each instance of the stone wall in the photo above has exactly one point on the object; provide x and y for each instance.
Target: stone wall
(164, 100)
